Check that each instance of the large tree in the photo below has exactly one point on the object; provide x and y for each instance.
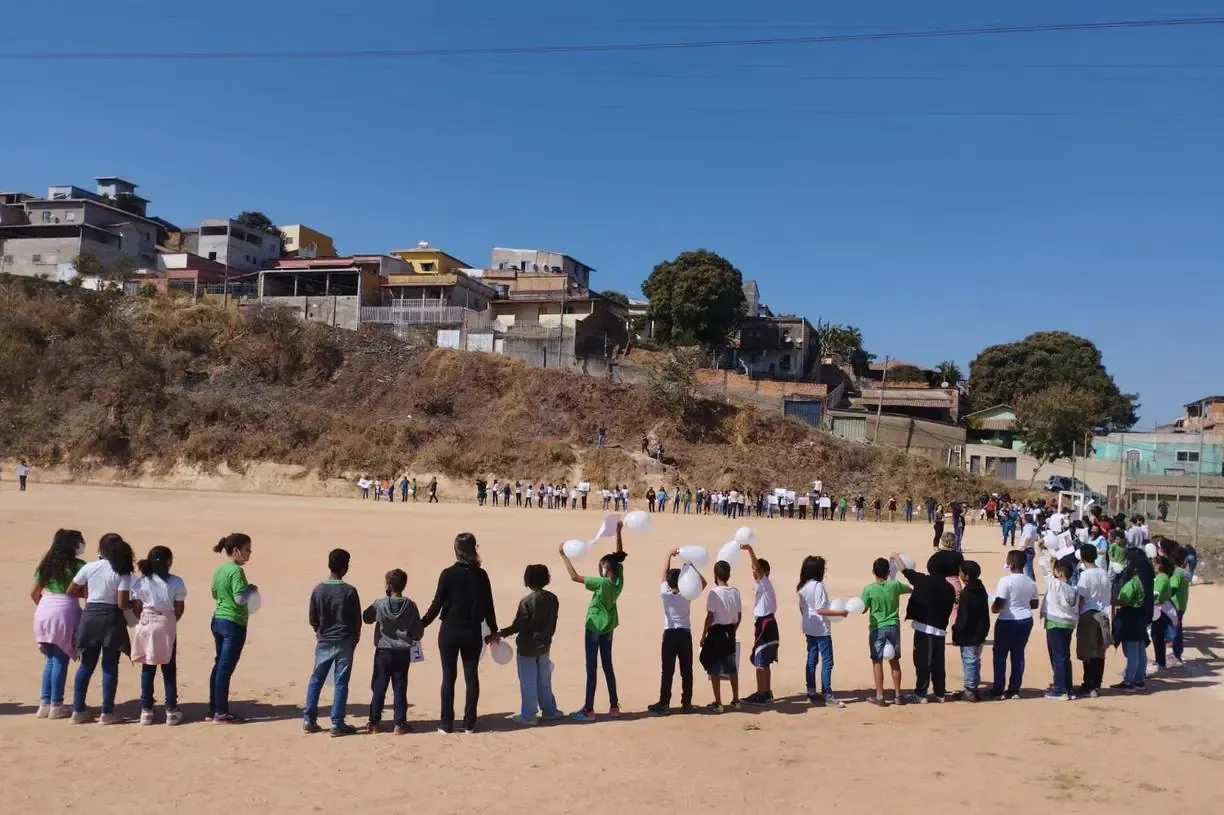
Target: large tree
(948, 371)
(616, 296)
(696, 298)
(1004, 374)
(847, 342)
(1056, 422)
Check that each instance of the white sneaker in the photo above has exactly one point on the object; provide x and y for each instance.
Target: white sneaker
(146, 717)
(1152, 670)
(44, 711)
(109, 718)
(81, 718)
(174, 717)
(59, 712)
(1174, 662)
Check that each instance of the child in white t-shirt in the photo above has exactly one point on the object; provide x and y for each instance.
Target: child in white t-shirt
(764, 629)
(724, 612)
(677, 639)
(158, 600)
(814, 614)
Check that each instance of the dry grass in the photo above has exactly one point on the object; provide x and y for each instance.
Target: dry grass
(102, 379)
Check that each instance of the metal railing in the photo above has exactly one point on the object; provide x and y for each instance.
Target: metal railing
(413, 315)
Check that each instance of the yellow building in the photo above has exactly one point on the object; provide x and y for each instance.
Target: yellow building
(304, 242)
(426, 259)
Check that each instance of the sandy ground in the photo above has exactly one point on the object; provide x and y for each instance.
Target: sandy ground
(1156, 752)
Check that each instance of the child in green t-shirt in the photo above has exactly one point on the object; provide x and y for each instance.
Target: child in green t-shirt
(882, 600)
(601, 621)
(1179, 590)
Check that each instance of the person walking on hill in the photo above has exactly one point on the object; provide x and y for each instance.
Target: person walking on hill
(433, 491)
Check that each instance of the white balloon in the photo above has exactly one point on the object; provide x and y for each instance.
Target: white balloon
(637, 521)
(696, 555)
(254, 602)
(1116, 567)
(574, 548)
(907, 561)
(888, 652)
(730, 552)
(855, 605)
(501, 652)
(837, 605)
(689, 583)
(745, 535)
(1151, 551)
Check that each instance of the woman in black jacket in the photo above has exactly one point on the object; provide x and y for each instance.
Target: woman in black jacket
(464, 600)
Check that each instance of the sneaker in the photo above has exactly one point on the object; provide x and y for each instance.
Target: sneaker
(1092, 694)
(146, 717)
(469, 729)
(813, 696)
(614, 712)
(1152, 670)
(714, 707)
(342, 729)
(1175, 662)
(915, 699)
(44, 711)
(174, 717)
(899, 700)
(402, 729)
(444, 730)
(736, 704)
(59, 712)
(879, 701)
(226, 718)
(109, 718)
(758, 699)
(309, 727)
(935, 697)
(81, 718)
(583, 716)
(1139, 686)
(532, 722)
(552, 717)
(1122, 686)
(832, 701)
(688, 709)
(970, 696)
(995, 694)
(659, 708)
(1009, 696)
(371, 728)
(1056, 695)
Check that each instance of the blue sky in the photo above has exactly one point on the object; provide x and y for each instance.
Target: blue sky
(942, 194)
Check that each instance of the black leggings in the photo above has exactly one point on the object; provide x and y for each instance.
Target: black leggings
(453, 644)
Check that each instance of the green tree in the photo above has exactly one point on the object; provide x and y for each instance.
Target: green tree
(696, 298)
(1055, 422)
(616, 297)
(671, 382)
(906, 373)
(847, 342)
(257, 221)
(948, 371)
(87, 265)
(127, 202)
(1004, 374)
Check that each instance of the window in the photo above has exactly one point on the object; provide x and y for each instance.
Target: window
(1187, 455)
(36, 258)
(427, 266)
(212, 255)
(70, 216)
(46, 217)
(786, 362)
(8, 259)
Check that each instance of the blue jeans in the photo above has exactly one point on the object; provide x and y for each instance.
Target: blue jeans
(1029, 556)
(110, 678)
(54, 675)
(1178, 638)
(971, 666)
(599, 645)
(228, 639)
(169, 673)
(1136, 662)
(330, 657)
(535, 687)
(958, 529)
(1010, 637)
(819, 650)
(1058, 643)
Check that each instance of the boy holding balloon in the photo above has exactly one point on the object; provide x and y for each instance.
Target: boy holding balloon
(678, 631)
(882, 600)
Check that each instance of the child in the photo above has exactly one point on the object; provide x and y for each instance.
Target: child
(1060, 610)
(677, 639)
(535, 623)
(972, 626)
(1014, 600)
(1092, 632)
(397, 632)
(158, 600)
(882, 600)
(56, 617)
(106, 584)
(814, 611)
(724, 612)
(335, 615)
(601, 622)
(928, 610)
(230, 592)
(764, 629)
(1161, 625)
(1179, 585)
(1130, 622)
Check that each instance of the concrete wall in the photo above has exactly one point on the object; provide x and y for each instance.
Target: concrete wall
(739, 384)
(341, 312)
(33, 257)
(235, 252)
(543, 261)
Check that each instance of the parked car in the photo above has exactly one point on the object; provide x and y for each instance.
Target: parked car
(1065, 483)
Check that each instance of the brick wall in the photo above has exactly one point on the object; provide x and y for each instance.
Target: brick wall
(741, 384)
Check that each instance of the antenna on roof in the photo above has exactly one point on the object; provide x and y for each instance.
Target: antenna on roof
(423, 245)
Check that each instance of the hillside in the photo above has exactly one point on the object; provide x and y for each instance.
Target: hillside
(100, 379)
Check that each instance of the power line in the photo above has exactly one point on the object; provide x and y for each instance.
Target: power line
(942, 33)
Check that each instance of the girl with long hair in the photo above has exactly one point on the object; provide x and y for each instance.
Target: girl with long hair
(56, 617)
(158, 600)
(106, 586)
(230, 592)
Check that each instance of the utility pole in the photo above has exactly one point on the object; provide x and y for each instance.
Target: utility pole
(1121, 471)
(1198, 478)
(880, 404)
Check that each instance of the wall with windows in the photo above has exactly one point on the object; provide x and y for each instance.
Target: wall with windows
(1161, 453)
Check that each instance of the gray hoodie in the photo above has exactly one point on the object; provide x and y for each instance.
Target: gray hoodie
(397, 623)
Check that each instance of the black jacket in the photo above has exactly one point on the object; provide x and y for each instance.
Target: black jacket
(464, 599)
(972, 625)
(932, 600)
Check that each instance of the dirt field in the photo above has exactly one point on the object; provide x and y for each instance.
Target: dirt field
(1156, 752)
